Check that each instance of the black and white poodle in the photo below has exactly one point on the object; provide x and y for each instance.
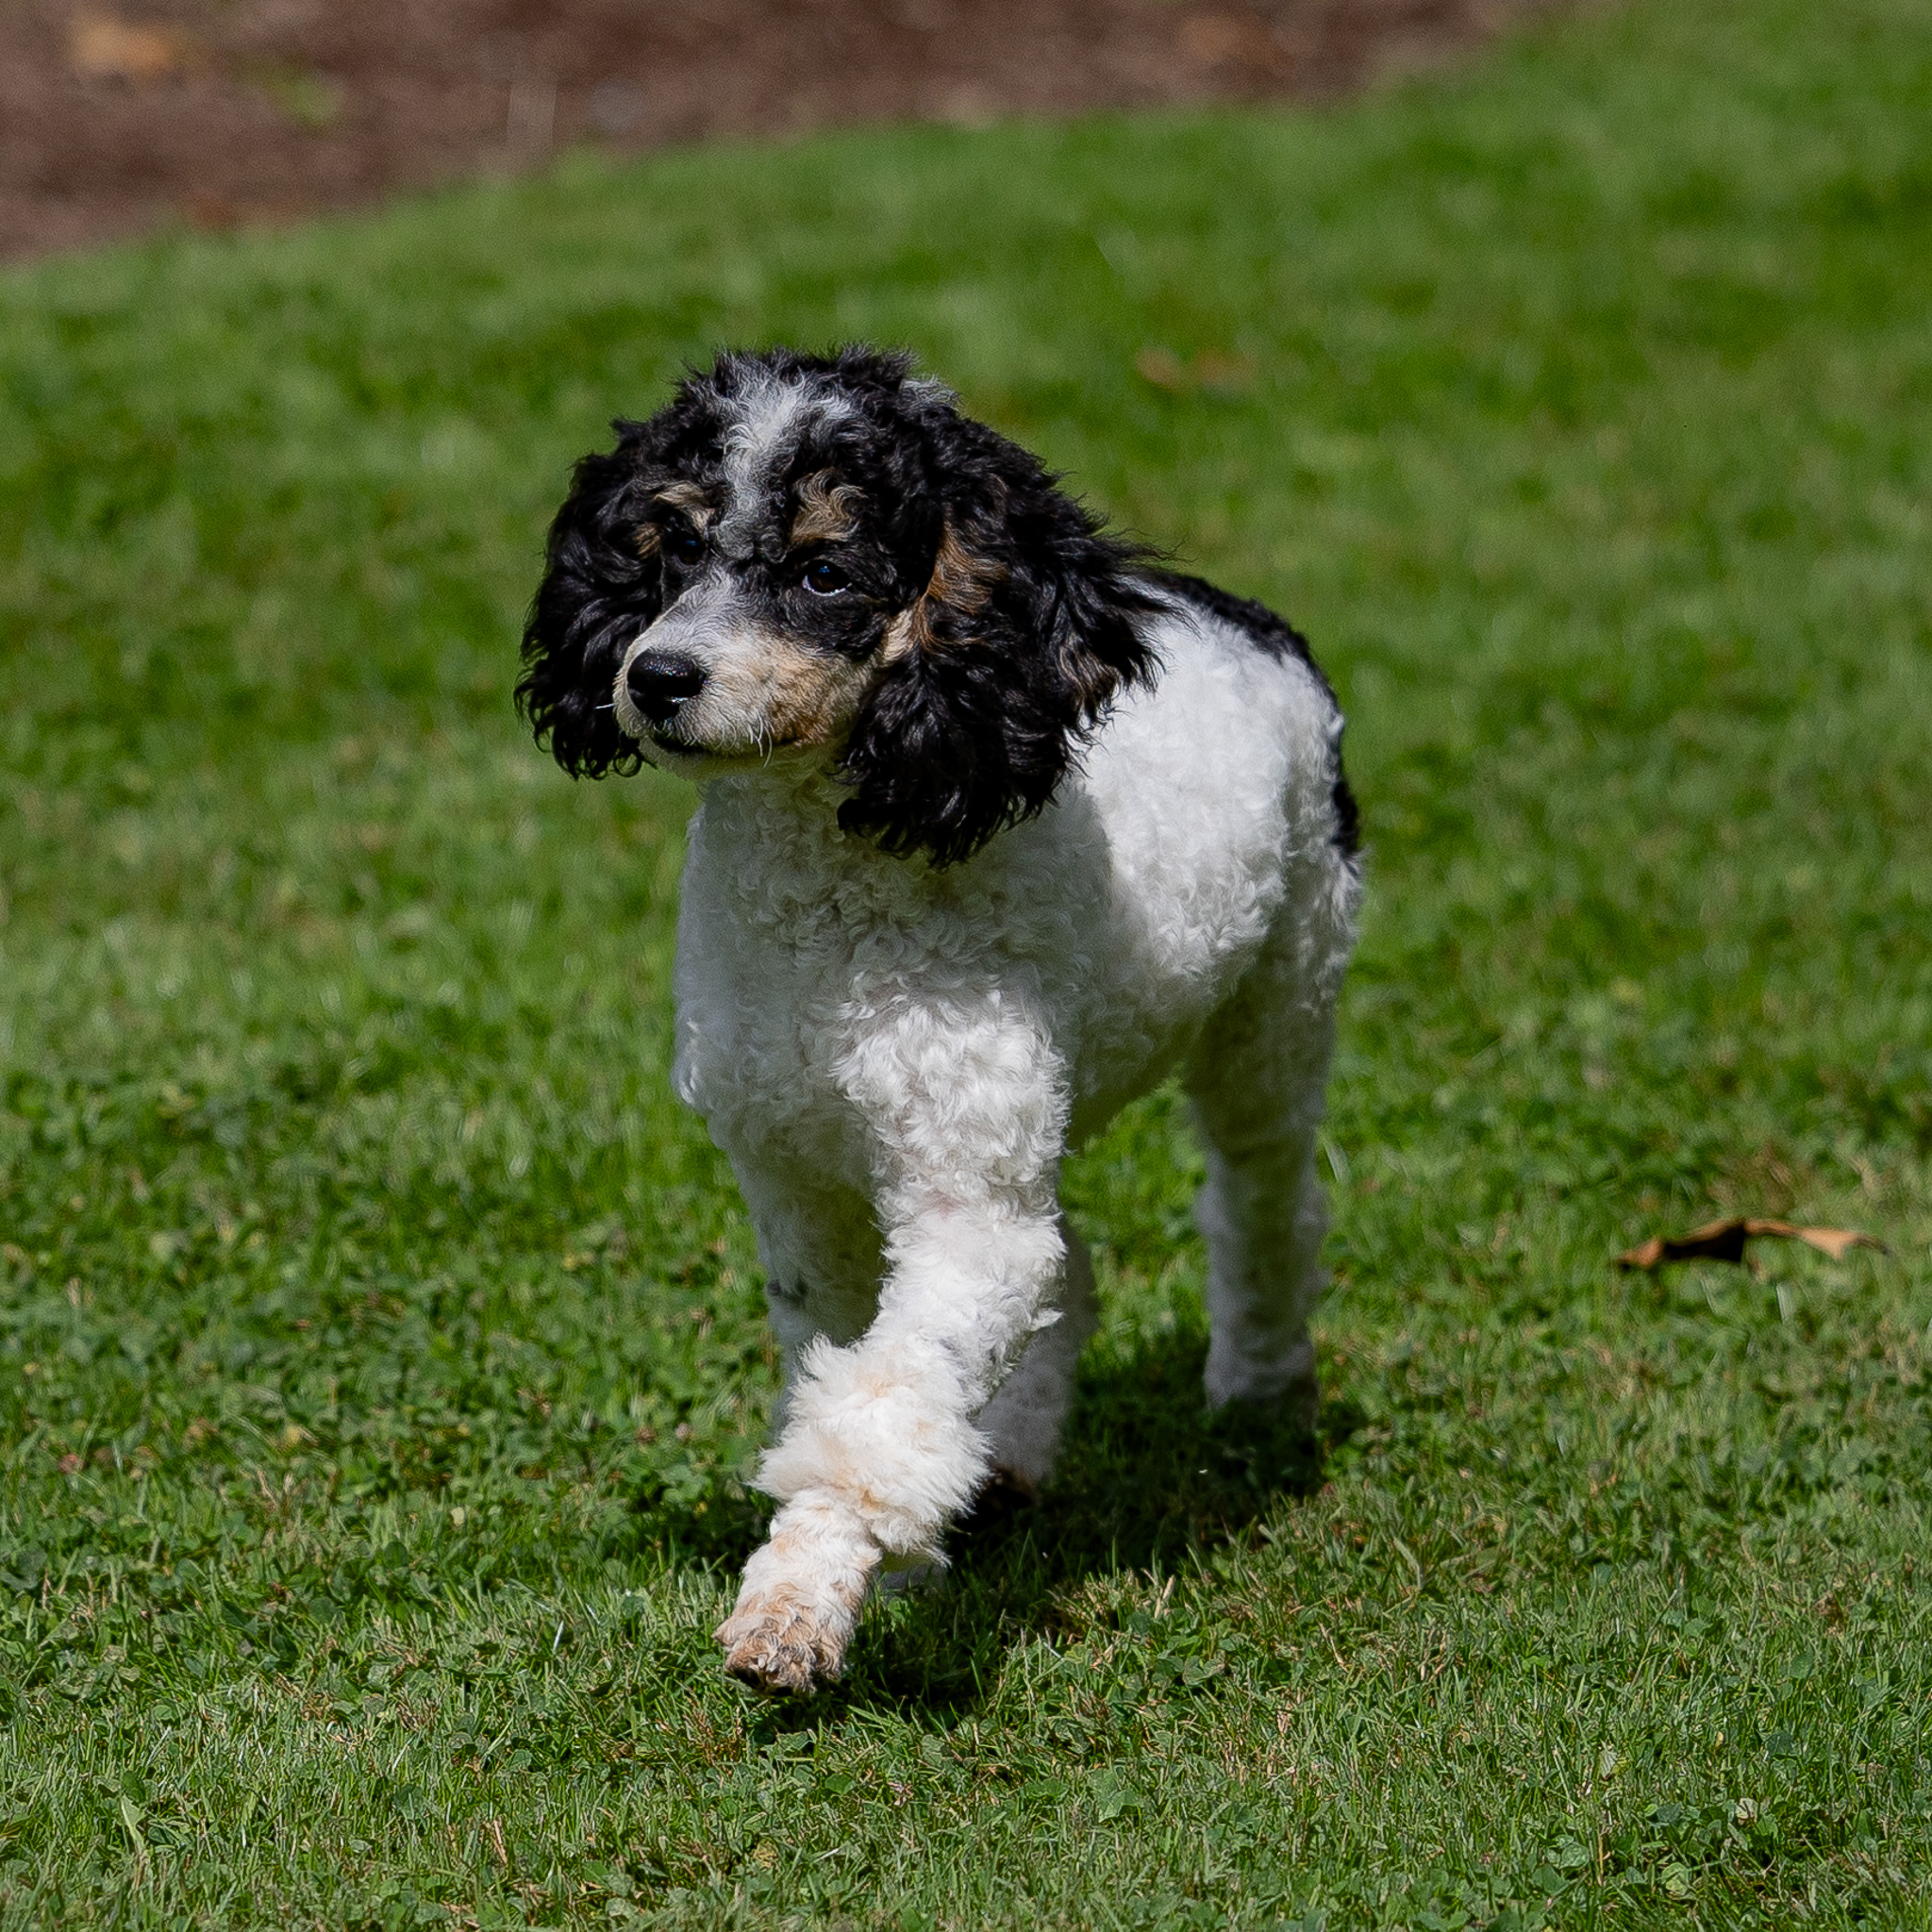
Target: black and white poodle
(998, 825)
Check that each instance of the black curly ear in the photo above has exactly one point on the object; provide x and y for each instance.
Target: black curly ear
(599, 591)
(1026, 632)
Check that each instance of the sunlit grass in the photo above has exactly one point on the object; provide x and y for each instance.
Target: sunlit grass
(381, 1351)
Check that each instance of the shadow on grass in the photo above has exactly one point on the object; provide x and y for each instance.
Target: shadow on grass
(1147, 1477)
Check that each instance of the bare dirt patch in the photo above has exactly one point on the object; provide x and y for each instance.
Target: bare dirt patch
(119, 118)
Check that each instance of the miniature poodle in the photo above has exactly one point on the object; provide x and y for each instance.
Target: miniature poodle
(999, 825)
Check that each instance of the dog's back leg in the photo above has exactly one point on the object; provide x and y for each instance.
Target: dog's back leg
(1258, 1080)
(1024, 1421)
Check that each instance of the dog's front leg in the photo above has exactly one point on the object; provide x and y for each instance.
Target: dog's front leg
(880, 1446)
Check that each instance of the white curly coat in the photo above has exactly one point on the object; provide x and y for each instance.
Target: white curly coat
(897, 1057)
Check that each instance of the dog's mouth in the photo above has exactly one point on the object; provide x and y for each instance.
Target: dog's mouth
(663, 742)
(686, 753)
(664, 734)
(719, 757)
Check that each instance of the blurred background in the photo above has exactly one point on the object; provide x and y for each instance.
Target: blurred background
(116, 120)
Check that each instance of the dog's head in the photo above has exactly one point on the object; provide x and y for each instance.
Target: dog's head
(820, 557)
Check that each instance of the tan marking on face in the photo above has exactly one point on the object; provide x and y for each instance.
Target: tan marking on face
(900, 637)
(827, 509)
(691, 498)
(960, 581)
(688, 497)
(811, 694)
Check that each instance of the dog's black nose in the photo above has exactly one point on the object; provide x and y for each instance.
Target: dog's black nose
(659, 681)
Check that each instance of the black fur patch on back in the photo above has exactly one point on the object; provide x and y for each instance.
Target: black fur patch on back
(1279, 640)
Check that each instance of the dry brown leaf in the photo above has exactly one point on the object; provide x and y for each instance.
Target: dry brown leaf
(103, 47)
(1724, 1241)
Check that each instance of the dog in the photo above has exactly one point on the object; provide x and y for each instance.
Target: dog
(1000, 824)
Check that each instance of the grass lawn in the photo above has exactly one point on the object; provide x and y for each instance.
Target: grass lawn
(381, 1351)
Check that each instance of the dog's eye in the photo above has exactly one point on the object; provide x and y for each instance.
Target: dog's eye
(684, 545)
(825, 579)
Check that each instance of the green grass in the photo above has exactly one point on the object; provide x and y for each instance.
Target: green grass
(381, 1354)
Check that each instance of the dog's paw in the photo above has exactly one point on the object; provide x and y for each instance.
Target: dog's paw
(801, 1598)
(775, 1641)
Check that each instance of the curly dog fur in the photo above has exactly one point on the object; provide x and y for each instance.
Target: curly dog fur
(999, 825)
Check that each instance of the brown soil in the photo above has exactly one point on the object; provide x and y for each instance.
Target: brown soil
(119, 118)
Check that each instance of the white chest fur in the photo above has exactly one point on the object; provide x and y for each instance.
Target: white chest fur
(1119, 916)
